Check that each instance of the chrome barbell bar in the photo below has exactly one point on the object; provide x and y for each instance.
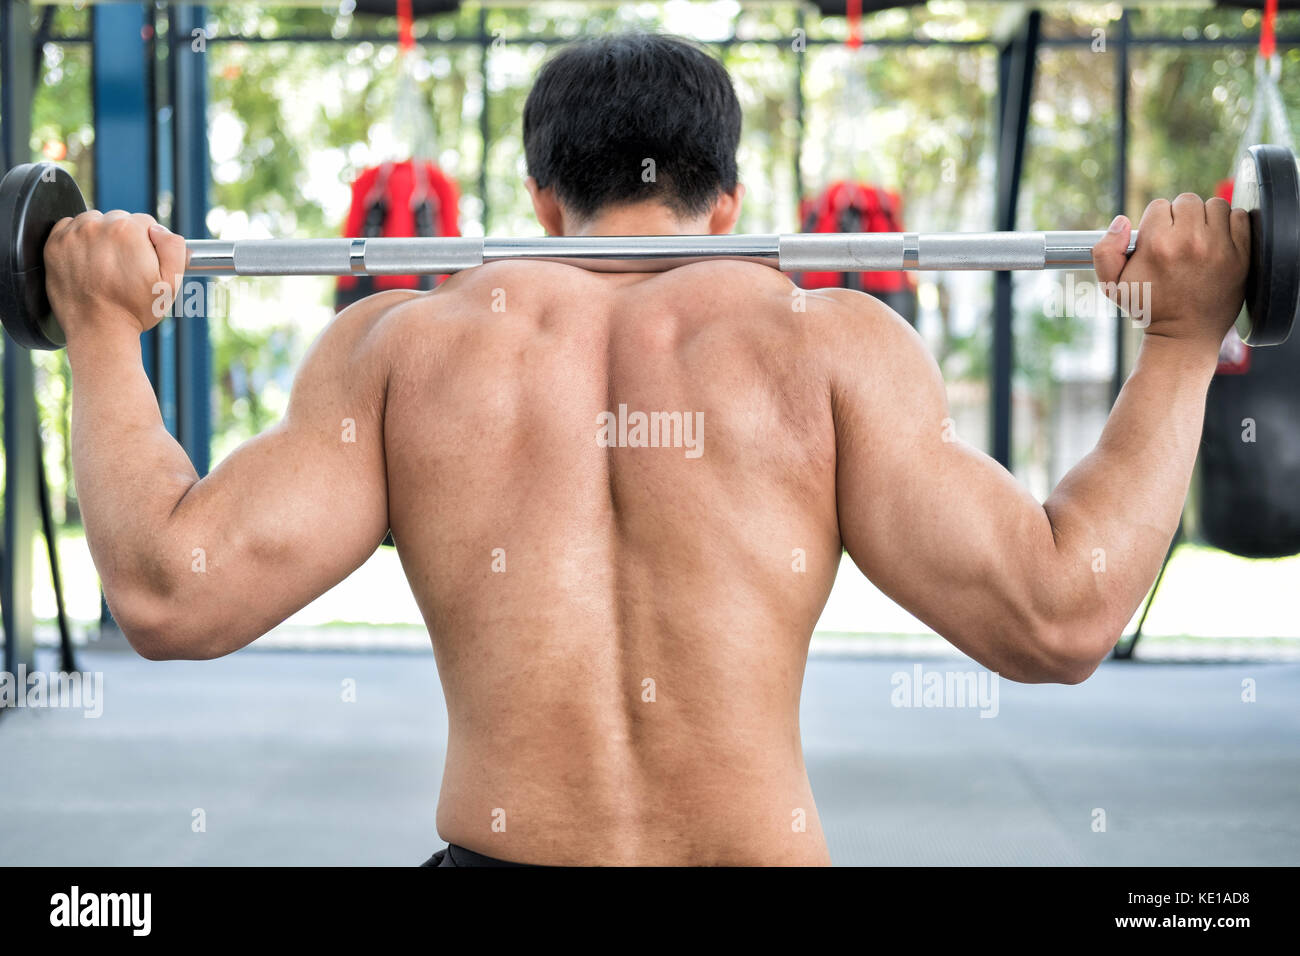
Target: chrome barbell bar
(800, 252)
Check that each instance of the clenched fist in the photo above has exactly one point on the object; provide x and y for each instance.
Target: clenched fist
(112, 270)
(1188, 271)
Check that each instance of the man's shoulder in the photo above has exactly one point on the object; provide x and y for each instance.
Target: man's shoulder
(848, 306)
(851, 322)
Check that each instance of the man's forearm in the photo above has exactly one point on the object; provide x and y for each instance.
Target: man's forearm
(1114, 514)
(130, 472)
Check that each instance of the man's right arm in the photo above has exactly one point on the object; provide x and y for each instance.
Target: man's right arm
(1035, 592)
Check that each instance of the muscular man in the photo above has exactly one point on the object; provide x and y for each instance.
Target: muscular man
(615, 603)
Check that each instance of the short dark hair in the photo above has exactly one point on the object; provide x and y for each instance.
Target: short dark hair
(601, 107)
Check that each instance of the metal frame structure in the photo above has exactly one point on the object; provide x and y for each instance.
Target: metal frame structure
(21, 423)
(179, 358)
(1017, 61)
(122, 94)
(188, 83)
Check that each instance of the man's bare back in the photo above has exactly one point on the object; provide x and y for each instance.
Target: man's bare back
(620, 631)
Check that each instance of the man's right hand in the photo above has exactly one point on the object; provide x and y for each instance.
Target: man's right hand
(111, 270)
(1189, 267)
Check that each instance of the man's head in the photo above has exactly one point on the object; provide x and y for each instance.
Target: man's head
(633, 131)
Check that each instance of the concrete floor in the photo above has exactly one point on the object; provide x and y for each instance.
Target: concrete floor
(285, 772)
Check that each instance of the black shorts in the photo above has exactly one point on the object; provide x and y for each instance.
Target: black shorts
(453, 855)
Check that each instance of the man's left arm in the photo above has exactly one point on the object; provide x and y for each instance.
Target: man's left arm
(196, 568)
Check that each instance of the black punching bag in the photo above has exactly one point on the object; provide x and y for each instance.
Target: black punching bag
(1250, 455)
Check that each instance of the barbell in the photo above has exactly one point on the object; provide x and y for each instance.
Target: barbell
(33, 197)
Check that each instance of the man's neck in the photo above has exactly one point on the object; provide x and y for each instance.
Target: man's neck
(641, 220)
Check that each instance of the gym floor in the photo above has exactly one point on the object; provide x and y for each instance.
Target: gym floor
(262, 747)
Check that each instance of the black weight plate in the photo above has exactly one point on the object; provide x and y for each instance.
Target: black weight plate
(33, 197)
(1268, 187)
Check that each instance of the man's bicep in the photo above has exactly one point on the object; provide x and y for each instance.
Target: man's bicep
(936, 524)
(293, 511)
